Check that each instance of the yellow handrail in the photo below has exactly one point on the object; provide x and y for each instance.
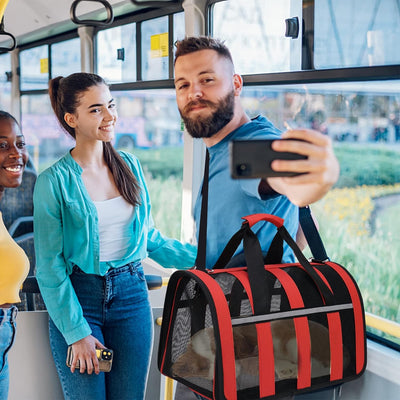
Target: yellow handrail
(169, 389)
(382, 324)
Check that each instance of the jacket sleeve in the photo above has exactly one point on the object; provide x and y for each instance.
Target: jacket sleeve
(53, 279)
(170, 253)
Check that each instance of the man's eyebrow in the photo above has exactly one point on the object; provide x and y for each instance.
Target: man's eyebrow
(178, 80)
(199, 74)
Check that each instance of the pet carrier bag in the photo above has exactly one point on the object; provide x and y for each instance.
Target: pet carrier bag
(262, 331)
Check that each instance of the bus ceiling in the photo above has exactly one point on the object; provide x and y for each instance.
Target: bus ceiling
(42, 19)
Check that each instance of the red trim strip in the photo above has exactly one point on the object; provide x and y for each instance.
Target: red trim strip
(336, 345)
(226, 334)
(170, 324)
(301, 327)
(359, 323)
(335, 338)
(266, 362)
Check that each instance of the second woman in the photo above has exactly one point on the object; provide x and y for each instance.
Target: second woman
(93, 227)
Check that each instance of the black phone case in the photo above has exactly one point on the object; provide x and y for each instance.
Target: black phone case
(252, 159)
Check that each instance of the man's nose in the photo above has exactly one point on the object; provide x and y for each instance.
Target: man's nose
(195, 93)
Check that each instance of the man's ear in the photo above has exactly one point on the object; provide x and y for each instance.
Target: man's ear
(237, 84)
(70, 120)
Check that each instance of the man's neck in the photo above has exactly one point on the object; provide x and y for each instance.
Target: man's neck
(237, 121)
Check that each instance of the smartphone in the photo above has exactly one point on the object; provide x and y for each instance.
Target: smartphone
(252, 159)
(105, 357)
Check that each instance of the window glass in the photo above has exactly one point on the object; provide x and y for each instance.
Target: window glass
(149, 127)
(34, 64)
(179, 27)
(45, 139)
(155, 49)
(260, 45)
(65, 57)
(116, 53)
(5, 84)
(362, 211)
(356, 33)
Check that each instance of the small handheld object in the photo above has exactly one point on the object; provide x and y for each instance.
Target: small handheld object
(252, 159)
(105, 357)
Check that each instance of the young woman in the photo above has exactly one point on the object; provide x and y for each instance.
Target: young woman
(14, 264)
(93, 227)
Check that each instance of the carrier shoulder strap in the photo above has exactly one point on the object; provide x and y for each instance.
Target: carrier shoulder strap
(202, 240)
(312, 235)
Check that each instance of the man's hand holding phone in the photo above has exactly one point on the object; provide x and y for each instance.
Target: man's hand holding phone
(308, 172)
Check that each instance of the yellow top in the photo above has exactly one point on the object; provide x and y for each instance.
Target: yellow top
(14, 267)
(3, 5)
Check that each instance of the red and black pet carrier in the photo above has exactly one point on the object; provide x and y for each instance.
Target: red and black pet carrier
(263, 330)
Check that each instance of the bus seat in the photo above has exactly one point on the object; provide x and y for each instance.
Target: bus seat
(31, 299)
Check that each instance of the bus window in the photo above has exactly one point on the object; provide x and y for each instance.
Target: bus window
(65, 57)
(5, 83)
(179, 27)
(116, 53)
(352, 33)
(260, 45)
(158, 143)
(34, 68)
(359, 218)
(45, 139)
(155, 49)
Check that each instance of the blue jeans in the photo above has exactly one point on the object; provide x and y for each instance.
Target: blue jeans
(118, 311)
(7, 335)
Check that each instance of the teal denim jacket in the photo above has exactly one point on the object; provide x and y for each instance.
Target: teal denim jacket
(66, 234)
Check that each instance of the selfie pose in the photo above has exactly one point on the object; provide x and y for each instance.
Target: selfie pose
(208, 96)
(14, 262)
(93, 227)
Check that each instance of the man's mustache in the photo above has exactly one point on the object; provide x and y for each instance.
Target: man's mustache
(196, 103)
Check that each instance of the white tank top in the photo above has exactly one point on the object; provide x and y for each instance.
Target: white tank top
(114, 216)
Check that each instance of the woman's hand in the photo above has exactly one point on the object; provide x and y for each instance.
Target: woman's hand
(84, 350)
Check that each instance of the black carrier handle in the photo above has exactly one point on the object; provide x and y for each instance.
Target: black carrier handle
(255, 261)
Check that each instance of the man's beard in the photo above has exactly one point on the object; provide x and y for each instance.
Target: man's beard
(206, 127)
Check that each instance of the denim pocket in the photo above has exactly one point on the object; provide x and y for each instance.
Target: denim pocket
(140, 272)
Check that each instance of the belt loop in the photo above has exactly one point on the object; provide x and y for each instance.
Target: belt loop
(4, 316)
(14, 312)
(132, 268)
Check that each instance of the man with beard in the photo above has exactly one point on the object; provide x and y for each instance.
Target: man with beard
(208, 97)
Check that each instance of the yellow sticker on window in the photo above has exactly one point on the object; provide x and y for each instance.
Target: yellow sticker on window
(44, 65)
(159, 45)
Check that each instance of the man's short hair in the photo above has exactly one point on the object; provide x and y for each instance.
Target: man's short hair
(196, 43)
